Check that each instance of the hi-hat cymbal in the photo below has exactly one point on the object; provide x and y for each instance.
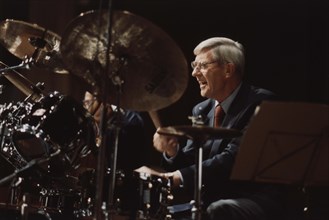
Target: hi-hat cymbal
(143, 66)
(25, 40)
(199, 132)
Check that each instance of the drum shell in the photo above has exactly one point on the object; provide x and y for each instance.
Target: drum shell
(47, 140)
(136, 195)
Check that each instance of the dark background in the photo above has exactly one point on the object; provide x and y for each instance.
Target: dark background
(286, 41)
(286, 44)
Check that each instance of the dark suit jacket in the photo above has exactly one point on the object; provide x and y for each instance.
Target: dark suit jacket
(218, 155)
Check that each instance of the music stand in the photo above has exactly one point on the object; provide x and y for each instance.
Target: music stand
(286, 142)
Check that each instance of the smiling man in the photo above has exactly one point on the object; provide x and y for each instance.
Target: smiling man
(219, 69)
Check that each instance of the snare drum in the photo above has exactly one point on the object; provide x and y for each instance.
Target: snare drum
(65, 201)
(88, 183)
(154, 196)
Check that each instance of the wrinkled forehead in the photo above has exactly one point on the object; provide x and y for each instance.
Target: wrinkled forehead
(204, 55)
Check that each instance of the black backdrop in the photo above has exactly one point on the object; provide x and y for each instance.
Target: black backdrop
(286, 43)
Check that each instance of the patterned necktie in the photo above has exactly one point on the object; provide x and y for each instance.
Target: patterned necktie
(218, 116)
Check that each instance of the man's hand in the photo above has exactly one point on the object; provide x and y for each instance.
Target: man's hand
(145, 169)
(164, 143)
(174, 176)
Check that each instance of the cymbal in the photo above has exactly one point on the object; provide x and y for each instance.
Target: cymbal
(144, 68)
(199, 132)
(25, 40)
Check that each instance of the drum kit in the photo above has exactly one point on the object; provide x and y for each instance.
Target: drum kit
(46, 136)
(125, 60)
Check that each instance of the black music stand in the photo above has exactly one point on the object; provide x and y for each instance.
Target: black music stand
(286, 142)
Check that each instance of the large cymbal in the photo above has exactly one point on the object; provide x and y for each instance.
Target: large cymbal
(199, 132)
(22, 39)
(144, 62)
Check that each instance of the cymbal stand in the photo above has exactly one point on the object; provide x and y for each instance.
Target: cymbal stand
(38, 44)
(23, 65)
(100, 205)
(32, 91)
(29, 165)
(100, 167)
(198, 142)
(24, 206)
(116, 127)
(197, 205)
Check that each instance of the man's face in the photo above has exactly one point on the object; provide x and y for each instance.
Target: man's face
(209, 74)
(92, 105)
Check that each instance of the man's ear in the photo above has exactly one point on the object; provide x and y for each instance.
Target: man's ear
(230, 69)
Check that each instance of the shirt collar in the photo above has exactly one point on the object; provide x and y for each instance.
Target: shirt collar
(226, 103)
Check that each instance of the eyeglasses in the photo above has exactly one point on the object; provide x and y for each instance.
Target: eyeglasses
(88, 103)
(201, 66)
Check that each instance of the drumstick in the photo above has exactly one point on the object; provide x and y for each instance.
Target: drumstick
(155, 119)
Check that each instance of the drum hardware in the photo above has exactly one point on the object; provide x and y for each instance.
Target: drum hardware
(88, 179)
(32, 126)
(25, 207)
(25, 64)
(146, 67)
(28, 166)
(124, 64)
(9, 212)
(11, 116)
(154, 197)
(1, 89)
(199, 131)
(137, 77)
(33, 92)
(15, 190)
(23, 185)
(51, 200)
(32, 137)
(199, 134)
(62, 200)
(30, 41)
(141, 196)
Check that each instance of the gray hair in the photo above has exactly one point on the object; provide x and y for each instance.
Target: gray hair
(224, 50)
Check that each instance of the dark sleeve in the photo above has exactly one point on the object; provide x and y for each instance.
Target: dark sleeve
(131, 143)
(217, 166)
(186, 153)
(216, 169)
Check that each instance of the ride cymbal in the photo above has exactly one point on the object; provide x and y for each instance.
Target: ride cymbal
(199, 132)
(25, 40)
(144, 69)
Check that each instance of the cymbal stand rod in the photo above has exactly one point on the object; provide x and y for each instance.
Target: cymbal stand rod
(116, 80)
(99, 203)
(24, 65)
(114, 153)
(198, 141)
(196, 209)
(101, 166)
